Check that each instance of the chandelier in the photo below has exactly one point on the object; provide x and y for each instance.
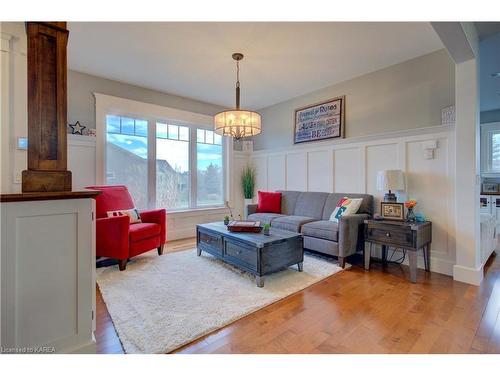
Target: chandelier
(238, 123)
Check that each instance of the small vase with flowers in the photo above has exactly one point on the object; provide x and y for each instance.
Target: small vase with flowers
(410, 214)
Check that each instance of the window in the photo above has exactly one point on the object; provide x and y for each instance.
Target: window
(168, 165)
(172, 166)
(209, 179)
(490, 148)
(127, 156)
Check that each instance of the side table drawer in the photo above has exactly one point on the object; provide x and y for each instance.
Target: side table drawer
(210, 242)
(395, 236)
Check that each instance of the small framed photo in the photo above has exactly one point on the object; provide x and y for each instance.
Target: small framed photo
(392, 211)
(448, 115)
(490, 188)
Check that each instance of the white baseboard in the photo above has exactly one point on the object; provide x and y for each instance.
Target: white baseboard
(468, 275)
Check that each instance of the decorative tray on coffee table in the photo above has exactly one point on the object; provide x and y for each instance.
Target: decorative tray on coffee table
(244, 226)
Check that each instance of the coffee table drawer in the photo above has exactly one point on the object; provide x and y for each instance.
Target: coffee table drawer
(210, 242)
(242, 252)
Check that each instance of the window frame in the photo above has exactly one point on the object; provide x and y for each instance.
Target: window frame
(153, 114)
(488, 130)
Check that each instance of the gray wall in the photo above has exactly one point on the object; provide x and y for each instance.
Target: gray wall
(403, 96)
(490, 116)
(81, 101)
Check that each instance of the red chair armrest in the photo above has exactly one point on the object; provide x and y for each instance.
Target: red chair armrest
(158, 216)
(112, 237)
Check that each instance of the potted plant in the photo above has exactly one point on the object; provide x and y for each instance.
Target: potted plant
(266, 228)
(248, 185)
(226, 220)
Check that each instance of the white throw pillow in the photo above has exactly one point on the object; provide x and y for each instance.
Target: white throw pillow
(346, 206)
(133, 214)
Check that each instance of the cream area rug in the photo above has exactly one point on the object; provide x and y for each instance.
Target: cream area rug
(161, 303)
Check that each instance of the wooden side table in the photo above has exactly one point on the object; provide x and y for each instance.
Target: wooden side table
(408, 236)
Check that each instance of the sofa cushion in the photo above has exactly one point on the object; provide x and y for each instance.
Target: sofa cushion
(291, 223)
(324, 229)
(141, 231)
(333, 198)
(269, 202)
(310, 204)
(264, 218)
(288, 201)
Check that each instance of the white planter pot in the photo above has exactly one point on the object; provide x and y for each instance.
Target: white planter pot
(245, 207)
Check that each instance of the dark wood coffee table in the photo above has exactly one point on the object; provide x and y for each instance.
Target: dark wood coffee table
(255, 253)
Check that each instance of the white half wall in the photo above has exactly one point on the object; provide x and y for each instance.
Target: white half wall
(351, 167)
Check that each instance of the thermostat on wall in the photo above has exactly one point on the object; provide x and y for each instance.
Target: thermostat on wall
(22, 143)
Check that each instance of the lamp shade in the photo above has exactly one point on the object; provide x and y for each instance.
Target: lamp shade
(238, 123)
(391, 179)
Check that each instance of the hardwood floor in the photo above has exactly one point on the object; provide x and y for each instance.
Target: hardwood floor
(357, 311)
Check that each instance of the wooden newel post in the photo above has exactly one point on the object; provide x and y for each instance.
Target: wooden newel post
(47, 108)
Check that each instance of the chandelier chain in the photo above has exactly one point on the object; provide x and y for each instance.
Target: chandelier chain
(237, 74)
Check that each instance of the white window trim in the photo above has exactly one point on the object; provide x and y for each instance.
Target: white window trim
(486, 162)
(107, 104)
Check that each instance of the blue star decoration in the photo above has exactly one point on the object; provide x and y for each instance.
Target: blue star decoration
(76, 128)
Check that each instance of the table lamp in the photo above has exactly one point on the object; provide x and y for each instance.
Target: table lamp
(389, 180)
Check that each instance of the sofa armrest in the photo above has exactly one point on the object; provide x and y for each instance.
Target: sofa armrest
(158, 216)
(252, 208)
(351, 233)
(112, 237)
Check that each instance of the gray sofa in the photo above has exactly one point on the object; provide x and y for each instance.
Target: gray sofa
(309, 212)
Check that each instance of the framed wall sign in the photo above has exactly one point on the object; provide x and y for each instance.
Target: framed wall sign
(320, 121)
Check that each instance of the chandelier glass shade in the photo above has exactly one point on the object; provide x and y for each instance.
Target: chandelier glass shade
(238, 123)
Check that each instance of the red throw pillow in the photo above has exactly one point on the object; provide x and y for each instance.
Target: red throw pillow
(269, 202)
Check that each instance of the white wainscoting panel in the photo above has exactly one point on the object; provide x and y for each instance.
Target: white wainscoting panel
(296, 171)
(351, 167)
(260, 164)
(82, 160)
(239, 162)
(346, 178)
(276, 172)
(429, 182)
(320, 171)
(378, 158)
(182, 224)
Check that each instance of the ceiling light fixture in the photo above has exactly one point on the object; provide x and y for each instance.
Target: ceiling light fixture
(238, 123)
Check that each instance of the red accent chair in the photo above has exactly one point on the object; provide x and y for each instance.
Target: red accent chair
(116, 237)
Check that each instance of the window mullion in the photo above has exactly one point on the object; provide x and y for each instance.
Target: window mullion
(151, 164)
(193, 168)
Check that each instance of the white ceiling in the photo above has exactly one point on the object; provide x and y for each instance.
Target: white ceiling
(282, 60)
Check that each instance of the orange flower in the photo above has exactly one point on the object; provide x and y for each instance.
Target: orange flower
(411, 203)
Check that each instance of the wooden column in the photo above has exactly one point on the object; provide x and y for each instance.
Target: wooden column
(47, 106)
